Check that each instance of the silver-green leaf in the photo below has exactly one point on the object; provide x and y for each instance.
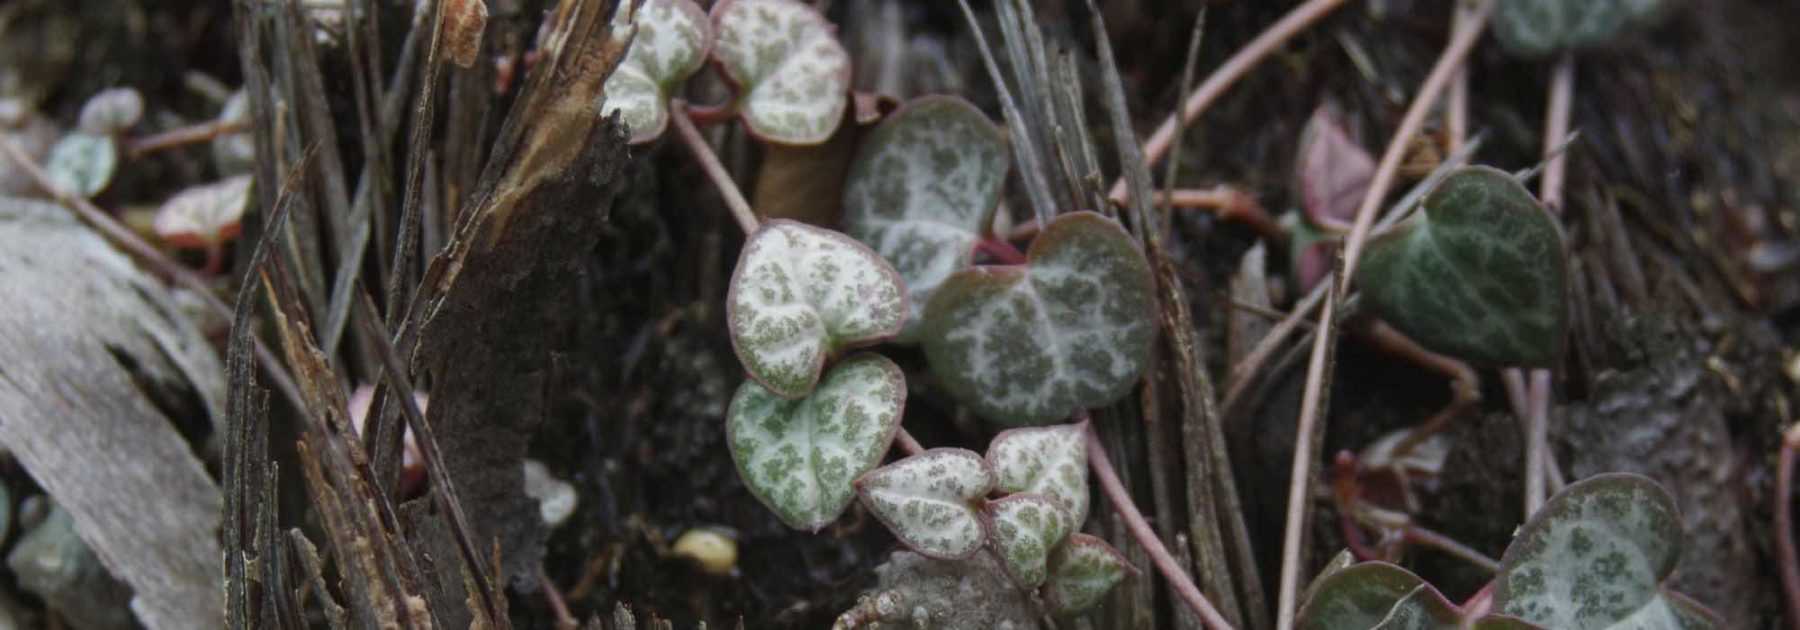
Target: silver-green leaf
(1082, 570)
(1535, 28)
(1595, 557)
(801, 457)
(1355, 597)
(82, 164)
(672, 41)
(1025, 528)
(929, 501)
(1479, 275)
(802, 293)
(1049, 461)
(1070, 329)
(922, 189)
(792, 74)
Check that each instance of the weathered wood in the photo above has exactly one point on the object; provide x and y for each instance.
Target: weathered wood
(97, 360)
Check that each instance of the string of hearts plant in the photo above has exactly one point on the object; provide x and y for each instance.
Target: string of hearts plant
(1026, 339)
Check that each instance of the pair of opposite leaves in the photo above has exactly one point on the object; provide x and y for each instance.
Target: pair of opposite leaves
(1594, 558)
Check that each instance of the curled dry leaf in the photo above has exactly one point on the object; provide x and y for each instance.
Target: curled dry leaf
(673, 37)
(464, 23)
(1082, 570)
(921, 190)
(1332, 171)
(1595, 558)
(205, 215)
(792, 74)
(112, 112)
(1070, 329)
(801, 457)
(1025, 527)
(800, 294)
(82, 164)
(1048, 461)
(929, 500)
(1479, 275)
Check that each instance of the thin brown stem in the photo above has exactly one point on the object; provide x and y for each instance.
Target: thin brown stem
(143, 252)
(1465, 386)
(1223, 78)
(1419, 535)
(202, 132)
(1300, 473)
(1146, 537)
(715, 170)
(1462, 40)
(1786, 558)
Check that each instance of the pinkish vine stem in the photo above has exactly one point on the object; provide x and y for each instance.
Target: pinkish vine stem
(908, 445)
(1001, 250)
(714, 169)
(1786, 558)
(1216, 84)
(1146, 537)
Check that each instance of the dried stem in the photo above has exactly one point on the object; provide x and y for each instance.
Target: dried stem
(1785, 557)
(1222, 79)
(1146, 537)
(139, 147)
(143, 252)
(1461, 41)
(715, 170)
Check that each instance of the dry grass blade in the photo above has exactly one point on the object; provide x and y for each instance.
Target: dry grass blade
(1031, 161)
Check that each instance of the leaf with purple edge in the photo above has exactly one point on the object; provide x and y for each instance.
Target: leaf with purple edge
(1082, 570)
(672, 42)
(802, 293)
(1070, 329)
(928, 500)
(1025, 528)
(1049, 461)
(801, 457)
(792, 74)
(922, 189)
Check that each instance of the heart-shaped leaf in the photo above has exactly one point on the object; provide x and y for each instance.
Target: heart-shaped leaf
(792, 74)
(801, 293)
(802, 457)
(673, 37)
(1539, 27)
(1026, 527)
(928, 500)
(1069, 329)
(1332, 171)
(1595, 557)
(1355, 597)
(1378, 595)
(921, 190)
(1082, 570)
(1479, 275)
(83, 164)
(204, 215)
(112, 112)
(1049, 461)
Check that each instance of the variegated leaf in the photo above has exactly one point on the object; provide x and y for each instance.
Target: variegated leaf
(1358, 596)
(1049, 461)
(112, 112)
(802, 293)
(83, 164)
(1070, 329)
(204, 215)
(921, 190)
(802, 457)
(1422, 609)
(929, 500)
(1025, 527)
(1082, 570)
(792, 74)
(1540, 27)
(1595, 557)
(1479, 275)
(673, 37)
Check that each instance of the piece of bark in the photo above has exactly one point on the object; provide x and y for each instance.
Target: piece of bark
(493, 303)
(98, 360)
